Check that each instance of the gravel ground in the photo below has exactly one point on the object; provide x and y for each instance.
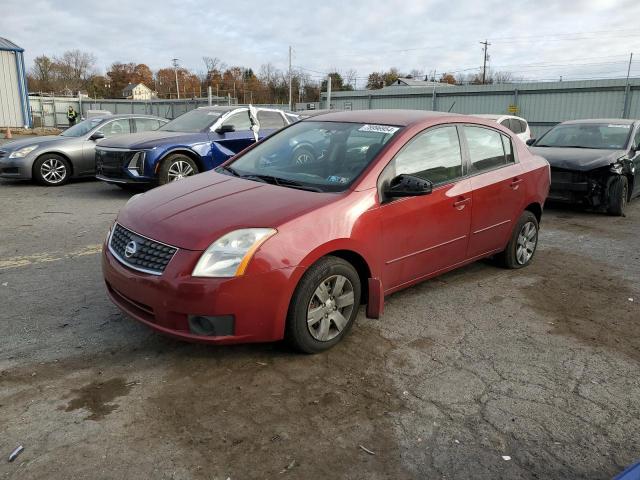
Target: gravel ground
(461, 373)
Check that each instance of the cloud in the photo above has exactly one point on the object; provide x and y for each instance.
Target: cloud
(436, 35)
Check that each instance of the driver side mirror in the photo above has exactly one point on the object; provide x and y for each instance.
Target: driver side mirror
(96, 136)
(225, 129)
(531, 141)
(408, 186)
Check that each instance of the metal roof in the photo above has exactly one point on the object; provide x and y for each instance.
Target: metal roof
(9, 45)
(615, 121)
(383, 117)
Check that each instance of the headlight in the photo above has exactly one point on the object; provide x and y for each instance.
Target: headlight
(230, 254)
(23, 152)
(136, 165)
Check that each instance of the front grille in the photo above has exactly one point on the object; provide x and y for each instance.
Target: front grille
(2, 154)
(565, 176)
(143, 254)
(112, 163)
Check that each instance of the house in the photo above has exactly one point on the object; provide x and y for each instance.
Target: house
(413, 82)
(138, 91)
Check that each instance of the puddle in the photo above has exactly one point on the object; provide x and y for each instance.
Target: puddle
(98, 397)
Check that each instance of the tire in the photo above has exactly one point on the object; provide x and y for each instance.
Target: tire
(51, 170)
(618, 196)
(176, 167)
(332, 322)
(522, 244)
(303, 156)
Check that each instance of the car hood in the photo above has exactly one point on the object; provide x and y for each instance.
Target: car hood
(146, 140)
(194, 212)
(25, 142)
(581, 159)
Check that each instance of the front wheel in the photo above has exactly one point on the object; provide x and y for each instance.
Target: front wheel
(523, 243)
(618, 194)
(324, 305)
(51, 170)
(176, 167)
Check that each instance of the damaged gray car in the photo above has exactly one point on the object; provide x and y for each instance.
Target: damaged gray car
(593, 162)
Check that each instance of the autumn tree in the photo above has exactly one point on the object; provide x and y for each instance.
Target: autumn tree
(447, 78)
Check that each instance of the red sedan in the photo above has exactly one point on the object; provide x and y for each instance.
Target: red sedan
(278, 244)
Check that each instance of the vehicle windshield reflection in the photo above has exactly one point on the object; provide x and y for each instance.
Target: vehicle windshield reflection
(319, 156)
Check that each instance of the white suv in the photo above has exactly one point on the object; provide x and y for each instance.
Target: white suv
(517, 125)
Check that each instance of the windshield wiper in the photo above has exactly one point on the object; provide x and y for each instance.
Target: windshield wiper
(282, 182)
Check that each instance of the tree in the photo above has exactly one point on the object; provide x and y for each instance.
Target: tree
(447, 78)
(120, 75)
(375, 81)
(42, 75)
(142, 74)
(74, 69)
(337, 83)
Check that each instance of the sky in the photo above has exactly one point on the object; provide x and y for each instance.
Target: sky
(537, 40)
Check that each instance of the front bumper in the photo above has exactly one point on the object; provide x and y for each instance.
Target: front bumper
(258, 303)
(573, 187)
(17, 168)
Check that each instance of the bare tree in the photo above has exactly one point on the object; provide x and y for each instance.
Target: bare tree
(75, 68)
(43, 74)
(350, 77)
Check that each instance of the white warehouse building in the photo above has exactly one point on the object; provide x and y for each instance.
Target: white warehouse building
(14, 96)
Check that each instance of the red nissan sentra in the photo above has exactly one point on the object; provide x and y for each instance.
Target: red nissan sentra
(290, 237)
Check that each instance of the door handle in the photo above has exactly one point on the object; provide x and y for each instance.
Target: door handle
(461, 202)
(515, 182)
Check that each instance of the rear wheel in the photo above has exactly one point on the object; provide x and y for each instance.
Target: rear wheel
(324, 305)
(51, 170)
(176, 167)
(618, 195)
(523, 243)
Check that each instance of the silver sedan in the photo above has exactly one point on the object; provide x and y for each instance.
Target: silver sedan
(53, 160)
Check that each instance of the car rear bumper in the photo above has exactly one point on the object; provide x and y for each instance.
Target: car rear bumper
(169, 303)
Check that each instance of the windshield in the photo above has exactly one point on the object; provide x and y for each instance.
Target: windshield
(192, 122)
(319, 156)
(82, 128)
(608, 136)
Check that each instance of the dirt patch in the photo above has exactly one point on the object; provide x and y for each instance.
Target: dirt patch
(97, 397)
(580, 297)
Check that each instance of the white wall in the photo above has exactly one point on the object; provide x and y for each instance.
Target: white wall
(10, 111)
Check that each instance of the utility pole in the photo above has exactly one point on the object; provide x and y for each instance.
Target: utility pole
(625, 105)
(290, 83)
(484, 63)
(175, 70)
(329, 92)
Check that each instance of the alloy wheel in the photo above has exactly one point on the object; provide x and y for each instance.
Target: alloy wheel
(179, 170)
(526, 243)
(330, 308)
(53, 170)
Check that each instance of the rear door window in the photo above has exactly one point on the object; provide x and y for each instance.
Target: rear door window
(270, 120)
(146, 124)
(433, 155)
(116, 127)
(488, 149)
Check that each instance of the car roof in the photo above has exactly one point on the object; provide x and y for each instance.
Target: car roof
(123, 115)
(400, 118)
(492, 116)
(619, 121)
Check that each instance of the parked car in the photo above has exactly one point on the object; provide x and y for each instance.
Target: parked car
(252, 252)
(54, 159)
(593, 162)
(517, 125)
(196, 141)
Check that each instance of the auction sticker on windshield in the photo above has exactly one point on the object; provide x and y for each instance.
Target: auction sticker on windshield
(378, 128)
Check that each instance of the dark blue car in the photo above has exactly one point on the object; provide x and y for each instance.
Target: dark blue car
(194, 142)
